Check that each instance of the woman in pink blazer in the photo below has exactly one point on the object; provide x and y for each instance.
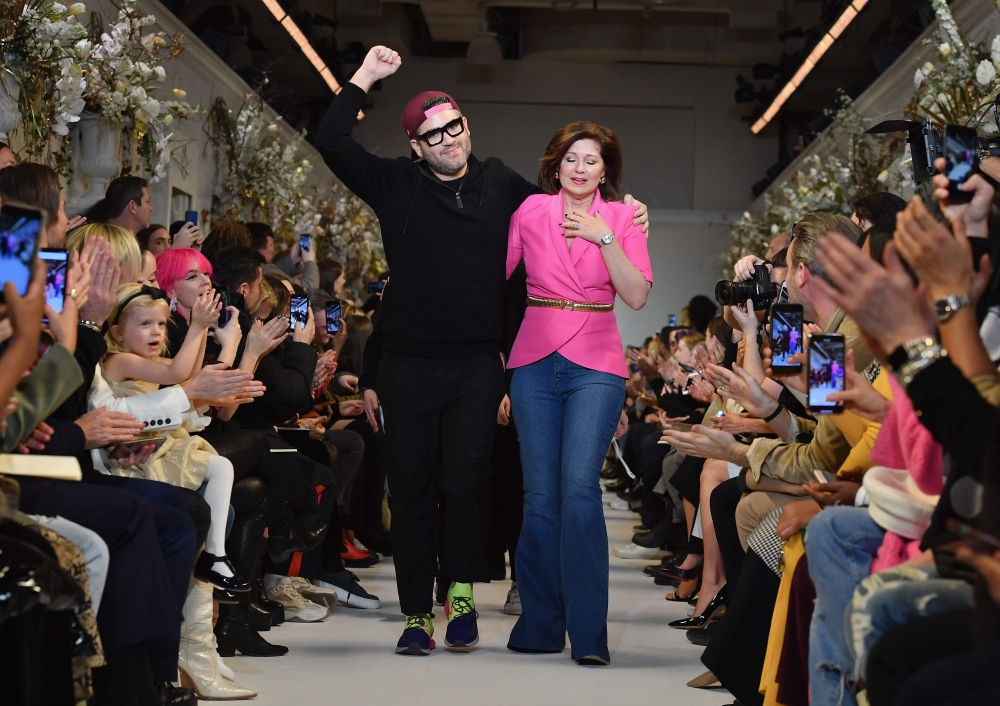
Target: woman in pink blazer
(580, 249)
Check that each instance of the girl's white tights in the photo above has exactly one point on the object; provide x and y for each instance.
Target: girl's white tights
(218, 486)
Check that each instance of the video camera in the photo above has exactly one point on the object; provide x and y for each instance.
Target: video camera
(926, 144)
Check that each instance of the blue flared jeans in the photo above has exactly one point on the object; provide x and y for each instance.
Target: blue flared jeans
(566, 415)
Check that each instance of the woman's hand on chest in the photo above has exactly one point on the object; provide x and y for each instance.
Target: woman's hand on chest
(583, 225)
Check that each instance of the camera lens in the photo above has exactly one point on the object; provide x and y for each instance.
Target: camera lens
(727, 293)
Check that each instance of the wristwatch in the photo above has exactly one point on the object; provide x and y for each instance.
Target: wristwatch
(605, 240)
(946, 307)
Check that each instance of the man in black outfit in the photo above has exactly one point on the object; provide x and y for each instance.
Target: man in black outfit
(440, 377)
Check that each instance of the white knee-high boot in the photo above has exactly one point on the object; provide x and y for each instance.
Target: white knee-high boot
(199, 661)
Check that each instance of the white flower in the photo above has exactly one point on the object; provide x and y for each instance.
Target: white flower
(151, 107)
(918, 78)
(161, 73)
(944, 49)
(774, 229)
(125, 66)
(138, 94)
(83, 48)
(147, 42)
(144, 69)
(272, 128)
(928, 69)
(995, 50)
(985, 73)
(77, 8)
(58, 7)
(883, 176)
(179, 93)
(306, 164)
(167, 119)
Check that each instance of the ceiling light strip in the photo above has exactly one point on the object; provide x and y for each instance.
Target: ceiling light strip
(296, 34)
(809, 64)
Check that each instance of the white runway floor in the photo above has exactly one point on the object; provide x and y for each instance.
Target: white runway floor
(349, 659)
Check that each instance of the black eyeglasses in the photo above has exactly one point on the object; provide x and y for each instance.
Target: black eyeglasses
(434, 137)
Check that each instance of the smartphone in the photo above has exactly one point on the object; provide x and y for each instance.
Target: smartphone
(304, 242)
(375, 287)
(224, 314)
(124, 449)
(21, 226)
(786, 337)
(984, 541)
(300, 311)
(826, 371)
(55, 278)
(333, 317)
(672, 320)
(191, 217)
(823, 476)
(961, 160)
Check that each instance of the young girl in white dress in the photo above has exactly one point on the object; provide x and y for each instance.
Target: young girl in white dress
(134, 365)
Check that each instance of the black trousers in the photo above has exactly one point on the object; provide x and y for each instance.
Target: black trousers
(506, 498)
(899, 660)
(737, 650)
(440, 418)
(725, 498)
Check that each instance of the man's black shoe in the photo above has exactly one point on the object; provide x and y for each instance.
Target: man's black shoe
(656, 537)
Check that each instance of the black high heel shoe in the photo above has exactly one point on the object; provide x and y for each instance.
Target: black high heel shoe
(715, 610)
(204, 571)
(682, 574)
(283, 541)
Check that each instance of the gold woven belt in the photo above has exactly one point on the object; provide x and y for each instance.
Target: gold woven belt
(566, 304)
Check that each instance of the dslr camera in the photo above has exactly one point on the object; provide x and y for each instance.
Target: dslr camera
(926, 144)
(759, 288)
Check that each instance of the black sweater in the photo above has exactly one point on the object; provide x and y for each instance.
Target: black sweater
(430, 242)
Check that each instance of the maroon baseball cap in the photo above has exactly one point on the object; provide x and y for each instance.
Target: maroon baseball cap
(414, 114)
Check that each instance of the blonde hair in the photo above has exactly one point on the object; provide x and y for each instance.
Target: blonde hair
(123, 244)
(692, 340)
(121, 309)
(351, 310)
(267, 296)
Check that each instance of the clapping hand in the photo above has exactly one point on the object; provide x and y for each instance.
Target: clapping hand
(206, 309)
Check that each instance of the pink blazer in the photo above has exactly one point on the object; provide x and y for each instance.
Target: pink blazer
(578, 274)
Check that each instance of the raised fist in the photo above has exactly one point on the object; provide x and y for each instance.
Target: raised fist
(381, 62)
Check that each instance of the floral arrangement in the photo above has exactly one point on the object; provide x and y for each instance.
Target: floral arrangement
(856, 163)
(123, 75)
(40, 60)
(963, 80)
(261, 178)
(63, 68)
(351, 233)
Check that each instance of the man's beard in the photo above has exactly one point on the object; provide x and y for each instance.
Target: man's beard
(450, 165)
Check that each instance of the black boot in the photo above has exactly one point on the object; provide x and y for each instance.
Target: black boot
(276, 610)
(234, 634)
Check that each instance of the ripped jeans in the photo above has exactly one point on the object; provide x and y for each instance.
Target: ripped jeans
(894, 597)
(841, 543)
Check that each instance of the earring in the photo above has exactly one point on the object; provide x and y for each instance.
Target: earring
(603, 180)
(173, 303)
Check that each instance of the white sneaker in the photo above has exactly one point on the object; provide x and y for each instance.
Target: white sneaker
(513, 604)
(317, 594)
(634, 551)
(297, 608)
(619, 504)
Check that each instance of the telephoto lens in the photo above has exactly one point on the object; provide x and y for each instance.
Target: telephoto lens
(759, 288)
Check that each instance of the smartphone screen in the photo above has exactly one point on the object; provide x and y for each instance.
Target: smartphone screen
(191, 217)
(786, 337)
(304, 242)
(961, 161)
(300, 311)
(55, 278)
(20, 228)
(333, 317)
(375, 287)
(224, 314)
(826, 371)
(672, 320)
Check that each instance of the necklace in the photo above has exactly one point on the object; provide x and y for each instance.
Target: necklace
(458, 191)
